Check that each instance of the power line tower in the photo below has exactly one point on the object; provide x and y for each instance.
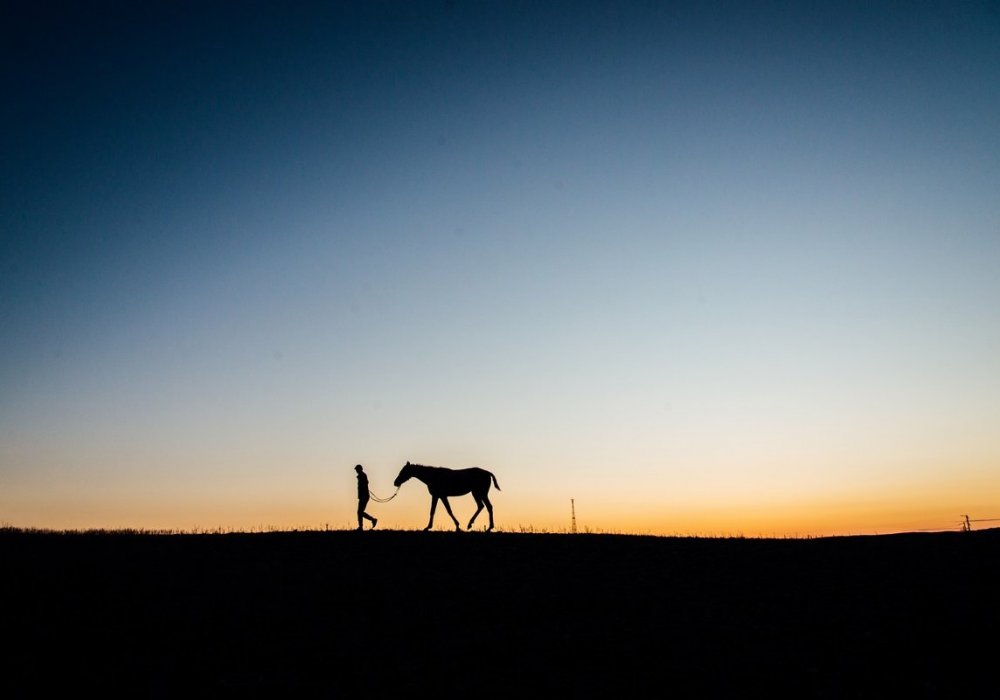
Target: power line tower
(572, 506)
(966, 526)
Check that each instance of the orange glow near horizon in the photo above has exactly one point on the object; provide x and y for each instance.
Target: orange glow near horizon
(933, 505)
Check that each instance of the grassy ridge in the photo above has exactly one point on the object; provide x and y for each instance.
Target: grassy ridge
(472, 613)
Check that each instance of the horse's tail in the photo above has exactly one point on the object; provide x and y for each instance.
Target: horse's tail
(493, 476)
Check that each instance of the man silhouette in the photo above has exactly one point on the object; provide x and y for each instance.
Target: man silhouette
(363, 496)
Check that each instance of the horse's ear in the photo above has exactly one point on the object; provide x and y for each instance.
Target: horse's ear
(407, 462)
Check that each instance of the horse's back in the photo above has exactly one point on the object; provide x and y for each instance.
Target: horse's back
(477, 471)
(456, 482)
(480, 473)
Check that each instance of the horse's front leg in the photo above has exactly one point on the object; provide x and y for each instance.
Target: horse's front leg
(434, 505)
(447, 507)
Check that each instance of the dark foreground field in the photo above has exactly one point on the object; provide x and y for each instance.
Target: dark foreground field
(471, 614)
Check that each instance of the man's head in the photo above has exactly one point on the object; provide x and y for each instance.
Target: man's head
(358, 468)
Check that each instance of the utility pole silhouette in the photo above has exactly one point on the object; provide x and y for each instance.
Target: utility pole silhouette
(572, 506)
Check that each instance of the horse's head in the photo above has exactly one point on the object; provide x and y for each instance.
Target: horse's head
(404, 474)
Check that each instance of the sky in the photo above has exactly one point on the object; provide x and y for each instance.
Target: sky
(700, 269)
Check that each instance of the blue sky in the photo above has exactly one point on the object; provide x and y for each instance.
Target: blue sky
(699, 266)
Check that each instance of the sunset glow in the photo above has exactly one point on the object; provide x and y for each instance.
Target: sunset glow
(701, 268)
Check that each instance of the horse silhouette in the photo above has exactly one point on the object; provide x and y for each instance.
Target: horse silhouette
(443, 482)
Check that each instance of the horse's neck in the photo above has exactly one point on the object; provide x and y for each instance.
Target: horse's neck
(423, 472)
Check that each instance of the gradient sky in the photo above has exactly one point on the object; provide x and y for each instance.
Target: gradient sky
(704, 268)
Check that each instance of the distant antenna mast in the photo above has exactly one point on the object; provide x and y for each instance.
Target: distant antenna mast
(572, 506)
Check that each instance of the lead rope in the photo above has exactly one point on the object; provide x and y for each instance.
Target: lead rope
(382, 500)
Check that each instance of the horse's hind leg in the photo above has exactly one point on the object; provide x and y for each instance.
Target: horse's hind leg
(479, 509)
(489, 509)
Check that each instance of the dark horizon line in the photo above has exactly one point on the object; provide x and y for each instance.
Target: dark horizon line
(199, 532)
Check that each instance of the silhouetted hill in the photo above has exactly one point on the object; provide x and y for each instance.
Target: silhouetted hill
(474, 614)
